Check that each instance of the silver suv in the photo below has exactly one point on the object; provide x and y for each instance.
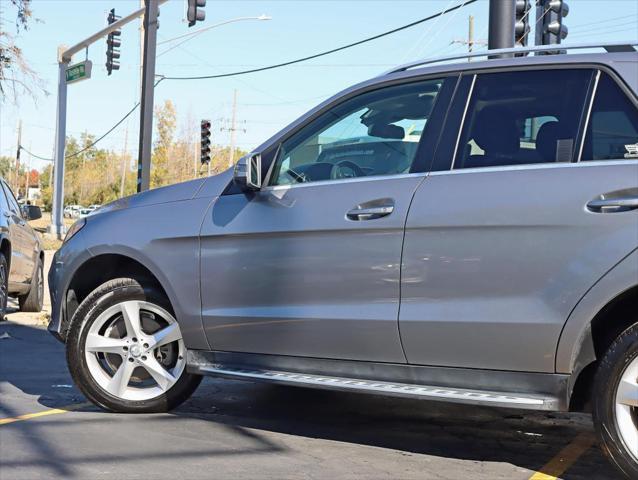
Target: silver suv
(462, 232)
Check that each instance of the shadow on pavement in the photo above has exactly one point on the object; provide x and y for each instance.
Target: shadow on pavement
(33, 371)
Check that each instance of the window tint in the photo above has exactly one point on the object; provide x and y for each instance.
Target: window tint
(373, 134)
(4, 206)
(13, 203)
(518, 118)
(612, 132)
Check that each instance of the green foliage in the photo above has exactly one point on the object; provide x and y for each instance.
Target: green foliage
(94, 175)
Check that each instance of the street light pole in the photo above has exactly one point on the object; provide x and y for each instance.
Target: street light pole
(151, 11)
(57, 224)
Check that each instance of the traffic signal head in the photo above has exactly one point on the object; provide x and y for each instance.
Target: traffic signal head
(113, 42)
(521, 27)
(205, 142)
(549, 19)
(193, 12)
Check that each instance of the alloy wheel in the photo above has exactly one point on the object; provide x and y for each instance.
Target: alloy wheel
(626, 409)
(134, 350)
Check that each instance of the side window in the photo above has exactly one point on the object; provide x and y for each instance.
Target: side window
(376, 133)
(612, 132)
(4, 205)
(13, 203)
(523, 117)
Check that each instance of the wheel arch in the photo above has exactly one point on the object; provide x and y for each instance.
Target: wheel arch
(599, 317)
(99, 269)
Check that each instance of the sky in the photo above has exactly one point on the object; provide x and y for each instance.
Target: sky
(266, 101)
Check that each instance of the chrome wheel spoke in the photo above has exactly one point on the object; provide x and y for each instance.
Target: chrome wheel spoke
(118, 384)
(166, 335)
(162, 376)
(131, 314)
(98, 343)
(627, 393)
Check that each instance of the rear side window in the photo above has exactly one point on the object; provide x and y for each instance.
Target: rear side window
(524, 117)
(612, 132)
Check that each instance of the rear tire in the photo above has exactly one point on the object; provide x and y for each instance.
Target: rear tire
(615, 402)
(33, 301)
(116, 356)
(4, 286)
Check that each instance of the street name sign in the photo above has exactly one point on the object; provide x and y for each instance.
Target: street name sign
(79, 71)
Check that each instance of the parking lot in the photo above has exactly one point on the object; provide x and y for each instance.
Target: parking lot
(239, 430)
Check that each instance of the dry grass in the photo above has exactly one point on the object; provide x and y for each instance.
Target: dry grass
(41, 225)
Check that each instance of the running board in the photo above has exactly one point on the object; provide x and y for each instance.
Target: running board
(423, 392)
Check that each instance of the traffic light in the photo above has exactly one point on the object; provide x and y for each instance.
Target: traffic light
(113, 43)
(193, 13)
(205, 142)
(521, 27)
(550, 14)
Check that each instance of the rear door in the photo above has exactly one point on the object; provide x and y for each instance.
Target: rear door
(532, 201)
(310, 265)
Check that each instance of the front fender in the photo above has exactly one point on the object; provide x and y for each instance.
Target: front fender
(164, 238)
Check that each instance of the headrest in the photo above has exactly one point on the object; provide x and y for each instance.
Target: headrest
(547, 140)
(495, 131)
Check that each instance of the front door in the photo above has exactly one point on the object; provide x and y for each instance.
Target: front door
(310, 265)
(540, 201)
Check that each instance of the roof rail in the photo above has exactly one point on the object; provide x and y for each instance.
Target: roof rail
(612, 47)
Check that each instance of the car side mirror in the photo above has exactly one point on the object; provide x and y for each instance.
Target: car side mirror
(31, 212)
(247, 173)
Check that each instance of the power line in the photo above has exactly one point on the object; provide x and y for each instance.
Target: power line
(328, 52)
(92, 144)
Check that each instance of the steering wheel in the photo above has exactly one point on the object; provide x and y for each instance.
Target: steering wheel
(340, 170)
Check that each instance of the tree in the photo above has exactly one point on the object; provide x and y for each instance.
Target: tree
(16, 76)
(5, 166)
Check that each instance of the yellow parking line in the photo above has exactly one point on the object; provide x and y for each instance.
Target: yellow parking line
(53, 411)
(565, 458)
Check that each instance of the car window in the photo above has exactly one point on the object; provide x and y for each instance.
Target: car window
(4, 205)
(524, 117)
(13, 203)
(612, 132)
(376, 133)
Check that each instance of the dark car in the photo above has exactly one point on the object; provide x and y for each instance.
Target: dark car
(22, 258)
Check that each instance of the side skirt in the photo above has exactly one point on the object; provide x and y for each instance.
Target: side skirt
(532, 391)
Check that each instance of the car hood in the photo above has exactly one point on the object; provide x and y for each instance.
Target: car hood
(168, 194)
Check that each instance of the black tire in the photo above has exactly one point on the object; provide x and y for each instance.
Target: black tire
(109, 294)
(33, 301)
(4, 286)
(622, 352)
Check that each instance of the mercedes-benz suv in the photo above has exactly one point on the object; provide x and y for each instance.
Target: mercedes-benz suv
(462, 232)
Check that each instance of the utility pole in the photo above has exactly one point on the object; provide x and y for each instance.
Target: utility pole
(28, 179)
(124, 161)
(501, 26)
(18, 148)
(231, 157)
(151, 11)
(470, 42)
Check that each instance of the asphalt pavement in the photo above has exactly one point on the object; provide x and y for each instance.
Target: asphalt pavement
(241, 430)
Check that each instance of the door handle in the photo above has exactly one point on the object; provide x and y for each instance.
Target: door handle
(370, 213)
(613, 205)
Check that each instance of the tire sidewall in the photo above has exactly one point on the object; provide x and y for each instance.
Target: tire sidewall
(622, 352)
(87, 313)
(4, 303)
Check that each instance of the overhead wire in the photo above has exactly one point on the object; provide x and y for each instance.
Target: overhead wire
(261, 69)
(327, 52)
